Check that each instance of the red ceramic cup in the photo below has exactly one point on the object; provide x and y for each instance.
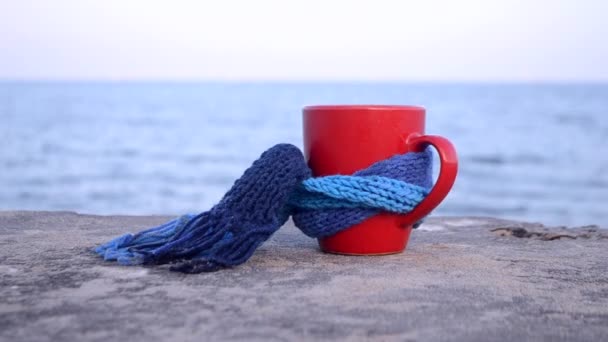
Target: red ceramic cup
(345, 139)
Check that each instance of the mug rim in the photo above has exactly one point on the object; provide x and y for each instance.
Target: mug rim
(363, 107)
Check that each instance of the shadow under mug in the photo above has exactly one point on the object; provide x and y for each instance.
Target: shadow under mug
(345, 139)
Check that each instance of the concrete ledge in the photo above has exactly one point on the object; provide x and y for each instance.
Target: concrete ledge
(466, 278)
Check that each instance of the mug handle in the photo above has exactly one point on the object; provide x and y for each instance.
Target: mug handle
(447, 173)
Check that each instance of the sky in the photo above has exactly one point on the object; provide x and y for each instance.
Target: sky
(315, 40)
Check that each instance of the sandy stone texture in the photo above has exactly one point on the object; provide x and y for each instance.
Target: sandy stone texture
(461, 278)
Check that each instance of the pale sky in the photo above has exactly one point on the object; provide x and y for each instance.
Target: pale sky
(422, 40)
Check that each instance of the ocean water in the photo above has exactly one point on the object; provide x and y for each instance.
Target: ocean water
(536, 152)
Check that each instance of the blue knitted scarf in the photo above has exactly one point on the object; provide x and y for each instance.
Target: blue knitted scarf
(278, 185)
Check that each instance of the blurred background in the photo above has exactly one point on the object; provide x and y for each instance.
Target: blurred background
(156, 107)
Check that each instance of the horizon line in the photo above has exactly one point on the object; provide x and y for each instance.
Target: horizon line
(304, 81)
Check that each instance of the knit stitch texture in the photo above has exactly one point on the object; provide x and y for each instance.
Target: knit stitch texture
(277, 185)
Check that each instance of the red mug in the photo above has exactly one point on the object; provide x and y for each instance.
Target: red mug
(345, 139)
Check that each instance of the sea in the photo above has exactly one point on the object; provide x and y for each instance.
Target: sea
(535, 152)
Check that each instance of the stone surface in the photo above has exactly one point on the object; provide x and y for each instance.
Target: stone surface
(475, 279)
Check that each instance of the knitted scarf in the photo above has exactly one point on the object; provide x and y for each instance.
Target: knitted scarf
(278, 185)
